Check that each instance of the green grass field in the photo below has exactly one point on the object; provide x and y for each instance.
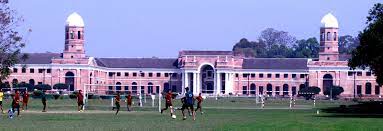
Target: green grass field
(223, 114)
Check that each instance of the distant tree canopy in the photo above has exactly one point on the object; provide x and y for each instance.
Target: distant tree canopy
(280, 44)
(370, 51)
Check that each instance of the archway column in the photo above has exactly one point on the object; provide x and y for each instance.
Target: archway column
(217, 83)
(195, 88)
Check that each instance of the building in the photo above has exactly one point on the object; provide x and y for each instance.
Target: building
(208, 72)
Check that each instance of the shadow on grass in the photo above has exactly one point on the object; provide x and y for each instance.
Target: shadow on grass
(369, 109)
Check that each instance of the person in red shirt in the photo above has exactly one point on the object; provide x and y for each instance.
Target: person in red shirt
(129, 101)
(168, 98)
(117, 102)
(80, 101)
(25, 100)
(199, 102)
(15, 102)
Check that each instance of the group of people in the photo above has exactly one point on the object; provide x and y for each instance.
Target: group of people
(187, 103)
(15, 106)
(117, 101)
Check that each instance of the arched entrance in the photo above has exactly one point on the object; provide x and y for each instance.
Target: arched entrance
(69, 80)
(150, 88)
(327, 82)
(253, 89)
(207, 79)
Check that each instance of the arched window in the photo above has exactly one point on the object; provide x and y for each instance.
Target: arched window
(368, 88)
(69, 80)
(134, 88)
(71, 35)
(277, 90)
(118, 86)
(253, 89)
(269, 89)
(260, 90)
(32, 82)
(15, 82)
(150, 88)
(285, 89)
(78, 34)
(166, 87)
(335, 36)
(126, 88)
(322, 36)
(328, 36)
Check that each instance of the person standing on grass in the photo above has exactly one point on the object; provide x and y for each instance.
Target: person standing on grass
(80, 101)
(189, 103)
(25, 100)
(44, 101)
(117, 102)
(1, 100)
(199, 106)
(129, 101)
(168, 103)
(15, 102)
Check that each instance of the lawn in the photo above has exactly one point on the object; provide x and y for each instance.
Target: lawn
(222, 118)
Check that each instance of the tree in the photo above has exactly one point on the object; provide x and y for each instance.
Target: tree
(60, 86)
(25, 85)
(272, 37)
(347, 44)
(309, 92)
(10, 40)
(43, 87)
(306, 48)
(370, 51)
(336, 90)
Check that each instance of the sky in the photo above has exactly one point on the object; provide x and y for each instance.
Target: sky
(162, 28)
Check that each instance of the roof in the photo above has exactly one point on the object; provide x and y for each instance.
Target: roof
(329, 21)
(74, 19)
(164, 63)
(40, 58)
(275, 63)
(191, 52)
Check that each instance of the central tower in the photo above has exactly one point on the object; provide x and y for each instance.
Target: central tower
(74, 37)
(328, 50)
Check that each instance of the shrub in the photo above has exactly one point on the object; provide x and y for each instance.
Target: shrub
(309, 92)
(56, 96)
(336, 91)
(37, 93)
(43, 87)
(60, 86)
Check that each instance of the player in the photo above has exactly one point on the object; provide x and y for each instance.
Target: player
(44, 101)
(199, 100)
(189, 102)
(168, 98)
(117, 102)
(25, 100)
(1, 100)
(129, 101)
(15, 103)
(80, 101)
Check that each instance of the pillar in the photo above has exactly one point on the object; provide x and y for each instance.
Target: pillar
(195, 91)
(218, 80)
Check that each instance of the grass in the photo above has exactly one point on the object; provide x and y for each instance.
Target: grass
(213, 119)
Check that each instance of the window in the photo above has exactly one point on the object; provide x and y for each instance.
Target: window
(31, 70)
(110, 74)
(126, 73)
(23, 70)
(166, 74)
(14, 70)
(368, 73)
(328, 58)
(302, 75)
(285, 75)
(118, 73)
(244, 90)
(335, 36)
(71, 56)
(158, 74)
(78, 34)
(277, 90)
(71, 35)
(39, 83)
(294, 75)
(328, 36)
(174, 75)
(134, 74)
(359, 89)
(368, 89)
(260, 75)
(350, 73)
(49, 70)
(277, 75)
(323, 36)
(41, 70)
(252, 75)
(142, 74)
(244, 75)
(236, 75)
(359, 73)
(209, 74)
(377, 90)
(268, 75)
(150, 74)
(294, 90)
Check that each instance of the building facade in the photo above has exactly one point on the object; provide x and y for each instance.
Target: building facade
(207, 72)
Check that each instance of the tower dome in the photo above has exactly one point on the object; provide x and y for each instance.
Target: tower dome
(329, 21)
(74, 19)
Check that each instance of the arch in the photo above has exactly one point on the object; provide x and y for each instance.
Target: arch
(328, 36)
(71, 34)
(335, 36)
(207, 78)
(260, 90)
(126, 89)
(78, 34)
(134, 88)
(327, 82)
(253, 89)
(285, 89)
(118, 86)
(150, 88)
(269, 89)
(301, 86)
(294, 90)
(15, 82)
(368, 88)
(69, 80)
(32, 82)
(277, 90)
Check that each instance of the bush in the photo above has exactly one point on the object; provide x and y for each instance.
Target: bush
(37, 93)
(60, 86)
(25, 85)
(309, 92)
(43, 87)
(336, 91)
(56, 96)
